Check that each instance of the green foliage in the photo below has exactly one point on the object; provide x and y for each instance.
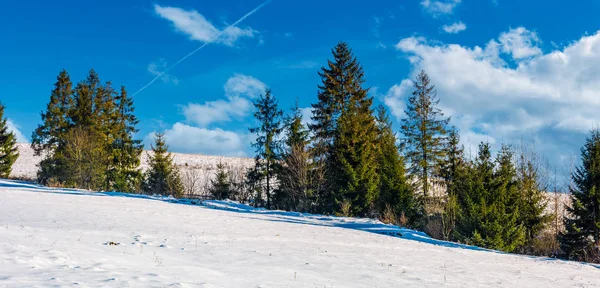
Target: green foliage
(267, 144)
(124, 159)
(581, 238)
(395, 194)
(453, 171)
(489, 201)
(83, 152)
(162, 176)
(48, 139)
(424, 132)
(354, 158)
(220, 189)
(96, 112)
(533, 198)
(341, 92)
(8, 149)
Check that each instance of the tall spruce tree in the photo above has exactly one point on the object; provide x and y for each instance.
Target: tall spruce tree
(581, 238)
(48, 139)
(267, 142)
(394, 190)
(8, 148)
(424, 131)
(294, 191)
(341, 80)
(162, 176)
(125, 151)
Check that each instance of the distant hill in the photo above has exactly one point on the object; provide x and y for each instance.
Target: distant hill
(198, 166)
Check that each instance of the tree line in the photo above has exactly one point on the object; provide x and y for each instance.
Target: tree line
(347, 160)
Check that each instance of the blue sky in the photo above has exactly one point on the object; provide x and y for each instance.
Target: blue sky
(505, 70)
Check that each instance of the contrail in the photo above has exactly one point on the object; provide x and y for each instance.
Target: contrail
(201, 46)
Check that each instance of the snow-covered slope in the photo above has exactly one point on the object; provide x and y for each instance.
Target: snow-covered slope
(62, 238)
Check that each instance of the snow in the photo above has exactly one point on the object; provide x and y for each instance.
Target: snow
(57, 237)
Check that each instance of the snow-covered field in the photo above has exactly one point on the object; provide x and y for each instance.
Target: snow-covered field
(62, 238)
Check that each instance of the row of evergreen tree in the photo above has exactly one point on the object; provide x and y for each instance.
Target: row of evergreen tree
(346, 161)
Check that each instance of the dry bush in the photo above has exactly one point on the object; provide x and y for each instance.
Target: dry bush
(435, 227)
(389, 215)
(345, 209)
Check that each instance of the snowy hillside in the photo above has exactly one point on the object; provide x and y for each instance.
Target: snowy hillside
(202, 166)
(62, 238)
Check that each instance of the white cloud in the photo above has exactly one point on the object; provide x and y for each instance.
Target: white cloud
(551, 97)
(440, 7)
(307, 114)
(12, 127)
(244, 85)
(520, 43)
(183, 138)
(197, 27)
(157, 68)
(239, 91)
(455, 27)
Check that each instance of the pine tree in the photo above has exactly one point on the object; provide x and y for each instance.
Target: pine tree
(162, 177)
(424, 131)
(220, 185)
(581, 238)
(267, 144)
(394, 191)
(8, 149)
(125, 151)
(48, 139)
(294, 191)
(341, 80)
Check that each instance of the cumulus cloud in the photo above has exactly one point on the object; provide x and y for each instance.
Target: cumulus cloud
(239, 92)
(454, 28)
(12, 127)
(158, 67)
(440, 7)
(197, 27)
(184, 138)
(520, 43)
(544, 96)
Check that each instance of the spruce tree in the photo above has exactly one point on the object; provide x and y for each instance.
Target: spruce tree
(354, 157)
(341, 80)
(581, 238)
(394, 191)
(162, 177)
(501, 225)
(533, 198)
(294, 191)
(8, 149)
(453, 174)
(267, 142)
(125, 151)
(220, 189)
(424, 131)
(48, 139)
